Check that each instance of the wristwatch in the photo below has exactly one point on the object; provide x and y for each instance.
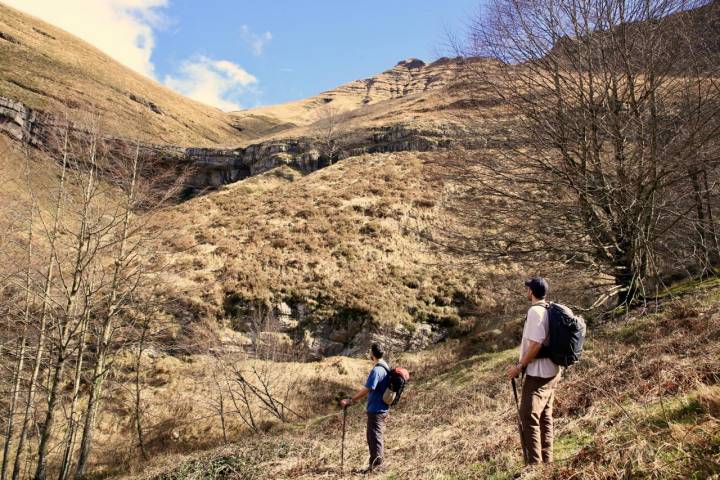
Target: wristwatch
(519, 366)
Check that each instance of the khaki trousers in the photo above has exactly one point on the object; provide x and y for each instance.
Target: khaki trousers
(536, 409)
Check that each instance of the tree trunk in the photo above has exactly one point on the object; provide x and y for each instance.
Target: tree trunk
(626, 277)
(99, 372)
(138, 399)
(46, 431)
(17, 466)
(72, 421)
(714, 253)
(21, 357)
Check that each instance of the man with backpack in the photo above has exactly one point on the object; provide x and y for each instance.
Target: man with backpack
(377, 409)
(541, 377)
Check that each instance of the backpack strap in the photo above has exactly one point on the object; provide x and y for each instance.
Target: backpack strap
(544, 349)
(387, 369)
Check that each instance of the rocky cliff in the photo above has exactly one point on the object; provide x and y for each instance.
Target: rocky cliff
(409, 77)
(406, 78)
(214, 167)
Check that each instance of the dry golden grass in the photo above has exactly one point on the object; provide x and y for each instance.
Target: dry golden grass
(347, 238)
(641, 404)
(180, 403)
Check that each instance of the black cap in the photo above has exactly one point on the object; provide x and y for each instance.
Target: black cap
(538, 286)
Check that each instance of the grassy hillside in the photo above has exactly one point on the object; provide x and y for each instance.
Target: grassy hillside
(48, 69)
(344, 242)
(23, 170)
(643, 403)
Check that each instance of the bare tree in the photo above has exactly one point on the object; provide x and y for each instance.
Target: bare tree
(329, 133)
(614, 119)
(107, 324)
(86, 263)
(145, 186)
(219, 406)
(261, 383)
(48, 279)
(22, 342)
(86, 226)
(241, 399)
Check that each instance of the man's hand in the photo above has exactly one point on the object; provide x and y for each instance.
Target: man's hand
(533, 349)
(513, 371)
(362, 393)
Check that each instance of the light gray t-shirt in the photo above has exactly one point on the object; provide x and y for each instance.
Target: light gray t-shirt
(536, 329)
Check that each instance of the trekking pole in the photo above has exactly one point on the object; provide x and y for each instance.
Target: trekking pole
(342, 445)
(520, 427)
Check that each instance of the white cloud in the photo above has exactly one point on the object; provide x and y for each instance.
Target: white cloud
(121, 28)
(256, 41)
(219, 83)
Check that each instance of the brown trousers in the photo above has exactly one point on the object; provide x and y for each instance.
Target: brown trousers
(375, 437)
(536, 409)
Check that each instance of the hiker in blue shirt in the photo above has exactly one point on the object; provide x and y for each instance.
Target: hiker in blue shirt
(376, 408)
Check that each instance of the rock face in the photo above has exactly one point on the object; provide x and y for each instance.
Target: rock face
(17, 121)
(292, 329)
(406, 78)
(214, 167)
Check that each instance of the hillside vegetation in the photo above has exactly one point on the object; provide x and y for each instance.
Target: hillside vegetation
(644, 402)
(344, 244)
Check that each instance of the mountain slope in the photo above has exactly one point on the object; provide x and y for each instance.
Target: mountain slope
(341, 247)
(644, 402)
(50, 70)
(409, 77)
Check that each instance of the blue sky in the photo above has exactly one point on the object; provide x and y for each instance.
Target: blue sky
(314, 46)
(244, 53)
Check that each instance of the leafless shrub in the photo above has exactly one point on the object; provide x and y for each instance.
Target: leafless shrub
(330, 133)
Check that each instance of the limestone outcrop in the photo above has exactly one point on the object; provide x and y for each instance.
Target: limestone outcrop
(406, 78)
(16, 120)
(349, 336)
(214, 167)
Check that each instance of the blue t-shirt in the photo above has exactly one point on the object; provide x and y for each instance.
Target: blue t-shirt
(377, 383)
